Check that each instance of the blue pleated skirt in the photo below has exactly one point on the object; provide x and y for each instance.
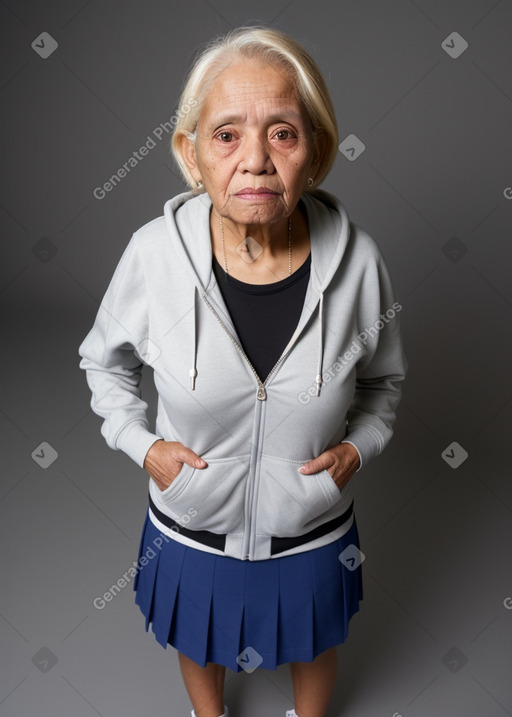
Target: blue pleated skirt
(246, 614)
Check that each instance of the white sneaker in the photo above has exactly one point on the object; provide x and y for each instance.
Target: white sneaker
(291, 713)
(226, 712)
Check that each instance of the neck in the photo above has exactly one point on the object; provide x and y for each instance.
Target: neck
(272, 238)
(260, 254)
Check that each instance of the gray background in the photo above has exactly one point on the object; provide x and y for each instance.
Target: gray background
(432, 187)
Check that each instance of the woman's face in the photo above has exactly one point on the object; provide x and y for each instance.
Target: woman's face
(254, 148)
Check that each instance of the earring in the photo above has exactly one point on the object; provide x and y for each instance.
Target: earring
(310, 181)
(199, 184)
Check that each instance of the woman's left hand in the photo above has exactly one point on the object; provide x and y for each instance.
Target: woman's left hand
(340, 461)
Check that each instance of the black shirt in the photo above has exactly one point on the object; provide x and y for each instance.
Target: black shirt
(264, 315)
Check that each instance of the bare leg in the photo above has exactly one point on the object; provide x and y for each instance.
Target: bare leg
(205, 686)
(313, 683)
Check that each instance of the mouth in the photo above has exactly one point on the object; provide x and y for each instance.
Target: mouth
(257, 193)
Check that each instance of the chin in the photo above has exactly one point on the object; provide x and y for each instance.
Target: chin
(258, 212)
(261, 217)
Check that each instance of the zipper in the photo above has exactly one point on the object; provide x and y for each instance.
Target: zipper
(248, 538)
(261, 396)
(262, 391)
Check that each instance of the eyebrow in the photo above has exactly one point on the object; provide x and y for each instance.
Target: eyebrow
(230, 118)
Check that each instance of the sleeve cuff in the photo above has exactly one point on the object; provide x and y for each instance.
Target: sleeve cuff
(135, 440)
(367, 441)
(359, 453)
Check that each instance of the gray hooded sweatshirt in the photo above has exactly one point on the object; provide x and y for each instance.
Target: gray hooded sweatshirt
(337, 380)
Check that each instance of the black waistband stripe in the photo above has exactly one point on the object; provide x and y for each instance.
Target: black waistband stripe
(278, 545)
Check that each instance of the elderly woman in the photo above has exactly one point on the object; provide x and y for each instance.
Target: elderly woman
(270, 324)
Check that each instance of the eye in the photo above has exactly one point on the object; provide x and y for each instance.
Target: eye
(283, 134)
(225, 136)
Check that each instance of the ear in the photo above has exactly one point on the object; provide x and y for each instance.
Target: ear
(188, 153)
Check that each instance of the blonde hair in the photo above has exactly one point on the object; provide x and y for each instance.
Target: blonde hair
(273, 47)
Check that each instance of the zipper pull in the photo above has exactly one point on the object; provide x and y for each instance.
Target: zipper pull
(262, 394)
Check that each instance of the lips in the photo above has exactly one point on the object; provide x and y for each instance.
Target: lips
(252, 190)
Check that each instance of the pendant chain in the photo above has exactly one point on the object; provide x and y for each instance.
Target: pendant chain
(289, 245)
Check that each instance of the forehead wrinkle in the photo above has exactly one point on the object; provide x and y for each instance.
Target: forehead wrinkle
(249, 92)
(250, 74)
(286, 115)
(265, 109)
(234, 87)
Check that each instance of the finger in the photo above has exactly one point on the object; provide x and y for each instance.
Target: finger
(186, 455)
(315, 465)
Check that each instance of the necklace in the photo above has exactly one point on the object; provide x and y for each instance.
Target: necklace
(289, 245)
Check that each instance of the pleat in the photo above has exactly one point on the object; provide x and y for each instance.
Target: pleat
(190, 626)
(167, 580)
(141, 546)
(328, 598)
(352, 580)
(295, 626)
(261, 610)
(144, 581)
(227, 610)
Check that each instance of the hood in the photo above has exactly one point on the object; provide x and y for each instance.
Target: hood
(187, 218)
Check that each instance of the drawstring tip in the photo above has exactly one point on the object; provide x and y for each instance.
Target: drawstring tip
(192, 373)
(318, 382)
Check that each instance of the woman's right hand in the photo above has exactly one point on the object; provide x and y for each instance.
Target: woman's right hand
(165, 459)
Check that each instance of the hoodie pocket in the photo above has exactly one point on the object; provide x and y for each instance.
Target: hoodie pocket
(290, 503)
(178, 484)
(212, 498)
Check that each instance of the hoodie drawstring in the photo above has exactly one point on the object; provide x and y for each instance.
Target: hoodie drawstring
(193, 371)
(318, 379)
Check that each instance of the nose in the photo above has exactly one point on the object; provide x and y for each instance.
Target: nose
(256, 156)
